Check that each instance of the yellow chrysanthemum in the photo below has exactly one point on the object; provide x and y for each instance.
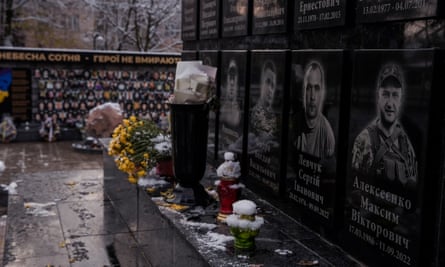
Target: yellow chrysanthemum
(132, 180)
(133, 148)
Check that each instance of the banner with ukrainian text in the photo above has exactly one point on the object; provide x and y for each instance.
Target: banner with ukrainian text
(86, 57)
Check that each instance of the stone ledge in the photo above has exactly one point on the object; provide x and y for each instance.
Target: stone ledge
(181, 237)
(279, 232)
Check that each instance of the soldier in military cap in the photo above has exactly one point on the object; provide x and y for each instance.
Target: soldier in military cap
(382, 153)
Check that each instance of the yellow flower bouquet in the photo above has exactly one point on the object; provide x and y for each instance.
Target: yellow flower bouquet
(133, 146)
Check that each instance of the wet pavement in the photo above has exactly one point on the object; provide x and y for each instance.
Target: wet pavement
(72, 208)
(59, 208)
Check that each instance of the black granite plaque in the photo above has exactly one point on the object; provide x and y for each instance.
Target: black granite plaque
(312, 14)
(235, 18)
(390, 10)
(435, 244)
(232, 102)
(189, 55)
(387, 158)
(211, 58)
(209, 14)
(270, 16)
(21, 94)
(316, 86)
(189, 20)
(267, 90)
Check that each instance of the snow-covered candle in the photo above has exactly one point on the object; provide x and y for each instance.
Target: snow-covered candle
(244, 225)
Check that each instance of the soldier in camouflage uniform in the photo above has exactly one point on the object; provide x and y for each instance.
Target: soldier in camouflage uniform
(383, 151)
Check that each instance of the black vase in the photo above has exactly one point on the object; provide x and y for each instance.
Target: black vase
(189, 128)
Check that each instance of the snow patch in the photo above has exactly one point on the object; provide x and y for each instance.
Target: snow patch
(244, 207)
(39, 209)
(2, 166)
(11, 188)
(214, 241)
(209, 226)
(150, 182)
(283, 252)
(233, 220)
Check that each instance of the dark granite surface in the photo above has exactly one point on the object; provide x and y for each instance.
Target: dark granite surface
(94, 217)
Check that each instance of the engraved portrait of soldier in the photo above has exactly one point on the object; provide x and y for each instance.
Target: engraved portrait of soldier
(230, 106)
(316, 136)
(382, 152)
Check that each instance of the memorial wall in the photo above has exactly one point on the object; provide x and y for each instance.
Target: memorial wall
(65, 85)
(333, 108)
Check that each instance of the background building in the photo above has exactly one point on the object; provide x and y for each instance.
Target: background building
(143, 25)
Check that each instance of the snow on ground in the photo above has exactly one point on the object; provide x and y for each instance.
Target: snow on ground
(11, 188)
(214, 241)
(151, 182)
(40, 209)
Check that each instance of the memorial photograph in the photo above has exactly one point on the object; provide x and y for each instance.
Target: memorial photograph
(265, 117)
(232, 102)
(391, 92)
(316, 86)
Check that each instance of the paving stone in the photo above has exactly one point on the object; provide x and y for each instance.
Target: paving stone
(81, 218)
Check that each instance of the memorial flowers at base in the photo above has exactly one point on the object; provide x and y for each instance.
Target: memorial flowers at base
(135, 146)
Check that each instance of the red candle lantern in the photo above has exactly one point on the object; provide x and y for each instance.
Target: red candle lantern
(228, 186)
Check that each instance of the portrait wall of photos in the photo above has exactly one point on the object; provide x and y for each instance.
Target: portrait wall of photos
(361, 163)
(67, 95)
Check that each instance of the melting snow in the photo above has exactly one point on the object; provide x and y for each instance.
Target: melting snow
(11, 188)
(2, 166)
(150, 182)
(214, 240)
(39, 209)
(233, 220)
(209, 226)
(283, 252)
(245, 207)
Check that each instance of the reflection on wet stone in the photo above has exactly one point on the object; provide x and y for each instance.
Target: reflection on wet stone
(84, 214)
(79, 251)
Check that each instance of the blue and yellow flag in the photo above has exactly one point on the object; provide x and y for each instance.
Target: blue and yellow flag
(5, 82)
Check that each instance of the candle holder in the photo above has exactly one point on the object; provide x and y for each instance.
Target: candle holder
(244, 226)
(228, 187)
